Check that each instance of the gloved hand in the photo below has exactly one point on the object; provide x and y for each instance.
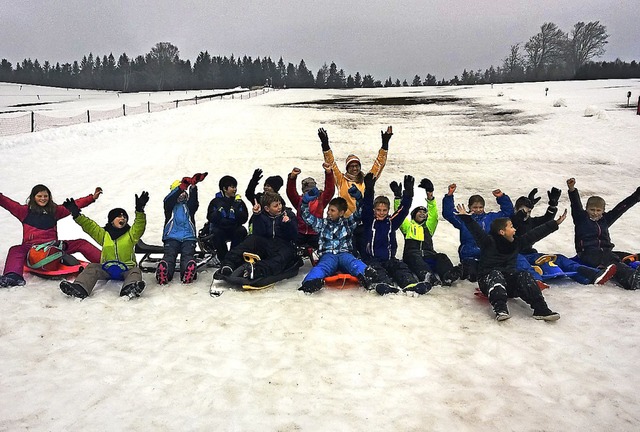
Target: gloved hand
(257, 175)
(426, 184)
(532, 197)
(198, 177)
(355, 192)
(141, 201)
(396, 188)
(636, 194)
(185, 182)
(409, 181)
(369, 181)
(310, 195)
(386, 137)
(70, 204)
(324, 139)
(554, 196)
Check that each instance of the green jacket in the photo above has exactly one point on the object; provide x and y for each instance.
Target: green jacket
(414, 233)
(123, 248)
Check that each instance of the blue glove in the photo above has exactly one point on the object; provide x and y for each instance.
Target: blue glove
(355, 192)
(310, 195)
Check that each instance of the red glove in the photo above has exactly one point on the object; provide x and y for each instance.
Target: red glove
(197, 178)
(186, 181)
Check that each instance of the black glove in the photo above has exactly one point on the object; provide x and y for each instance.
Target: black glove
(636, 194)
(324, 139)
(532, 197)
(141, 201)
(396, 188)
(257, 175)
(386, 136)
(554, 196)
(409, 181)
(70, 204)
(369, 181)
(426, 184)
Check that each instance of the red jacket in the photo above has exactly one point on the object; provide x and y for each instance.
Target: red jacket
(39, 228)
(316, 207)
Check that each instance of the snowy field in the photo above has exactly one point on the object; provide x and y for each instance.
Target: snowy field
(339, 360)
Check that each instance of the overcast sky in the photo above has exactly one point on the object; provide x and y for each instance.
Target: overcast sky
(398, 39)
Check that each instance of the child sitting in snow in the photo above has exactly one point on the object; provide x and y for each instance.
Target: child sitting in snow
(523, 223)
(379, 247)
(273, 239)
(179, 234)
(271, 184)
(307, 236)
(498, 277)
(418, 229)
(592, 239)
(118, 258)
(39, 218)
(335, 242)
(468, 250)
(226, 216)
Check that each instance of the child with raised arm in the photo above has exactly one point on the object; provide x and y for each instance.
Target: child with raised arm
(118, 259)
(498, 277)
(335, 242)
(592, 240)
(468, 250)
(354, 174)
(39, 218)
(307, 236)
(179, 234)
(418, 229)
(271, 184)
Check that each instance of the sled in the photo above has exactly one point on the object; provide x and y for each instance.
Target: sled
(152, 255)
(341, 281)
(68, 268)
(549, 270)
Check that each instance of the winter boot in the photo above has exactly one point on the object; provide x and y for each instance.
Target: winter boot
(383, 288)
(73, 289)
(543, 312)
(419, 288)
(134, 289)
(222, 271)
(369, 277)
(11, 280)
(501, 311)
(451, 276)
(634, 280)
(604, 275)
(190, 272)
(311, 286)
(162, 273)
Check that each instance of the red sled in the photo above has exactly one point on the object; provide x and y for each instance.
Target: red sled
(341, 281)
(69, 266)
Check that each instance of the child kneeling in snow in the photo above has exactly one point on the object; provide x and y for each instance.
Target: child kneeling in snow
(118, 241)
(179, 234)
(335, 241)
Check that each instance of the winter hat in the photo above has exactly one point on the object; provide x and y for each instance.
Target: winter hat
(308, 184)
(353, 158)
(227, 181)
(275, 182)
(523, 201)
(415, 211)
(175, 184)
(117, 212)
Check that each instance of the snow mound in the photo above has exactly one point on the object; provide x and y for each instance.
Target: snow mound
(560, 103)
(591, 111)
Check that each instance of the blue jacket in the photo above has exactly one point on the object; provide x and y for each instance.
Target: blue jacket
(468, 248)
(335, 236)
(179, 218)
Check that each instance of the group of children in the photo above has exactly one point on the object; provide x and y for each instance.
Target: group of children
(357, 236)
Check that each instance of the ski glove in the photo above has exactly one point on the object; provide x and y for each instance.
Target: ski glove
(198, 177)
(554, 196)
(386, 137)
(426, 184)
(70, 204)
(369, 181)
(310, 195)
(532, 197)
(409, 181)
(396, 188)
(186, 181)
(355, 192)
(324, 139)
(257, 175)
(141, 201)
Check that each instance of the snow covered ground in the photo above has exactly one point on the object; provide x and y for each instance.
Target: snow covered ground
(339, 360)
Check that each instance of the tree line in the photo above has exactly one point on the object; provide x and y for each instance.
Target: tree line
(551, 54)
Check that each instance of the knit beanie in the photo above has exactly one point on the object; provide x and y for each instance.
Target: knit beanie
(115, 213)
(275, 182)
(308, 184)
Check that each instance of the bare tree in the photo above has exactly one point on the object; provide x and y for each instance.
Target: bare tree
(546, 48)
(587, 41)
(513, 65)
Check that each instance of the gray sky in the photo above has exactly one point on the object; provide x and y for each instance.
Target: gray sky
(400, 39)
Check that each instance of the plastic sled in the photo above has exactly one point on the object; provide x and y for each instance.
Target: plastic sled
(237, 277)
(69, 266)
(549, 270)
(341, 281)
(152, 255)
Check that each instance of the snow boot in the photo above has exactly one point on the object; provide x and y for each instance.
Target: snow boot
(73, 289)
(419, 288)
(368, 278)
(190, 273)
(501, 311)
(544, 313)
(11, 280)
(134, 289)
(634, 280)
(222, 271)
(604, 275)
(311, 286)
(383, 288)
(451, 276)
(162, 273)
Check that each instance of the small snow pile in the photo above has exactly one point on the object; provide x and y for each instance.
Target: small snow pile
(500, 94)
(591, 111)
(560, 103)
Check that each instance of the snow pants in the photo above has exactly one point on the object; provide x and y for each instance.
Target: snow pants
(222, 236)
(499, 286)
(17, 255)
(94, 272)
(275, 254)
(391, 271)
(599, 258)
(330, 264)
(172, 248)
(421, 263)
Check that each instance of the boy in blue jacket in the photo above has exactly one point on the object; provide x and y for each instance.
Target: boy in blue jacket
(179, 234)
(378, 250)
(592, 239)
(468, 250)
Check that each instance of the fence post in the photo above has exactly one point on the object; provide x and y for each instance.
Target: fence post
(148, 107)
(124, 111)
(196, 99)
(33, 122)
(88, 117)
(638, 112)
(176, 103)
